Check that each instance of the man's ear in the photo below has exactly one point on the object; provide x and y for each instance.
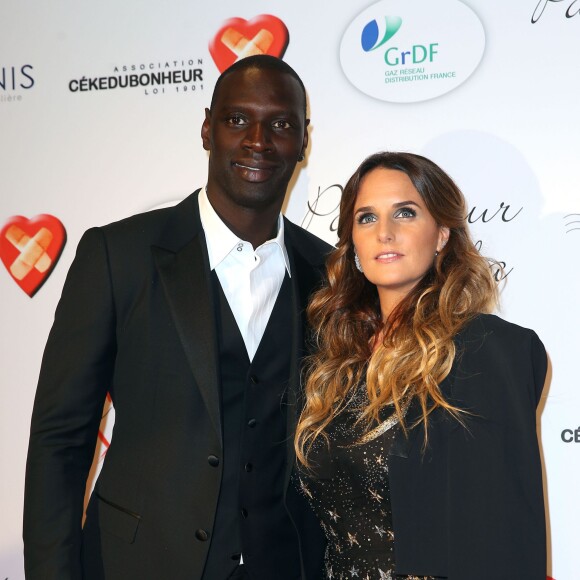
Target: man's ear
(205, 130)
(305, 138)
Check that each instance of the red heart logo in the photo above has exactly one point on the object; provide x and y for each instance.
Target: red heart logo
(238, 38)
(30, 248)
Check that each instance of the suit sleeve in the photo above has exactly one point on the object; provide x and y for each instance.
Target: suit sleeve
(539, 365)
(497, 515)
(75, 375)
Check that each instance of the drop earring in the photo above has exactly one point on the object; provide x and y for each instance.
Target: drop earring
(437, 252)
(357, 262)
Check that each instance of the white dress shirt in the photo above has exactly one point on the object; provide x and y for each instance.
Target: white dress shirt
(251, 279)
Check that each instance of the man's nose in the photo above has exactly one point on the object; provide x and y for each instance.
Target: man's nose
(258, 137)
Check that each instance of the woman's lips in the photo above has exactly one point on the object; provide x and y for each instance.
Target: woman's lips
(388, 256)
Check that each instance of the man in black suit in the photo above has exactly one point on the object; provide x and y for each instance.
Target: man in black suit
(192, 318)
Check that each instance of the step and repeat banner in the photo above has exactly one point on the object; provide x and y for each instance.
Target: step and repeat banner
(101, 106)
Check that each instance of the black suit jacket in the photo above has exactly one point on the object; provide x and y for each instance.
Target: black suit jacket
(470, 506)
(136, 319)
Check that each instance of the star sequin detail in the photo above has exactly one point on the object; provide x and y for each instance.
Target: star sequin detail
(334, 516)
(305, 489)
(345, 522)
(352, 539)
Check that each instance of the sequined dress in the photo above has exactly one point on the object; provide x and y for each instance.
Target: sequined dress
(348, 488)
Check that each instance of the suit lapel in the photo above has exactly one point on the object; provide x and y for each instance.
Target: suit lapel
(183, 267)
(403, 443)
(304, 279)
(293, 399)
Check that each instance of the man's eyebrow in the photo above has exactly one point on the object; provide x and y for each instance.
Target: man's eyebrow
(245, 109)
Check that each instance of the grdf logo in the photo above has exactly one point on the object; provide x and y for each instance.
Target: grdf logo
(372, 32)
(373, 37)
(405, 51)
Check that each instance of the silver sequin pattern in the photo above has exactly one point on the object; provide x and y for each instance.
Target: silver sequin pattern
(348, 488)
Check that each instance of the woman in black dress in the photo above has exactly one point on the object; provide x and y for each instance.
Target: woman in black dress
(417, 443)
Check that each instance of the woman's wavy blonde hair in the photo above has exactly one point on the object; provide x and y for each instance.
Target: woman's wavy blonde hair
(418, 350)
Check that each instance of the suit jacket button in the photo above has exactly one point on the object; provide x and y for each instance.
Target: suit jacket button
(213, 460)
(244, 513)
(201, 535)
(248, 467)
(252, 423)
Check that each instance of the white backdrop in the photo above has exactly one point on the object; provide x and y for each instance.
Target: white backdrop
(88, 151)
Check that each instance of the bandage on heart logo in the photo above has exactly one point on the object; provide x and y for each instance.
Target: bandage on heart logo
(30, 248)
(238, 38)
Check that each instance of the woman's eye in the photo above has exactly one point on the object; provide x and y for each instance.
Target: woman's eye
(366, 218)
(406, 212)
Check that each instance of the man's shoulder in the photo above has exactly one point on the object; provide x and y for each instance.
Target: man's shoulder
(137, 223)
(151, 219)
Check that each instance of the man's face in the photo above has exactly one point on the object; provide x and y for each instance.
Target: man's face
(255, 132)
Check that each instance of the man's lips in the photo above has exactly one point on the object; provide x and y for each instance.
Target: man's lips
(254, 170)
(255, 164)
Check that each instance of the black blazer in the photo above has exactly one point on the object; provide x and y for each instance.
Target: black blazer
(136, 319)
(470, 507)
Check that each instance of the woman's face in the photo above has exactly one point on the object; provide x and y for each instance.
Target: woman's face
(394, 234)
